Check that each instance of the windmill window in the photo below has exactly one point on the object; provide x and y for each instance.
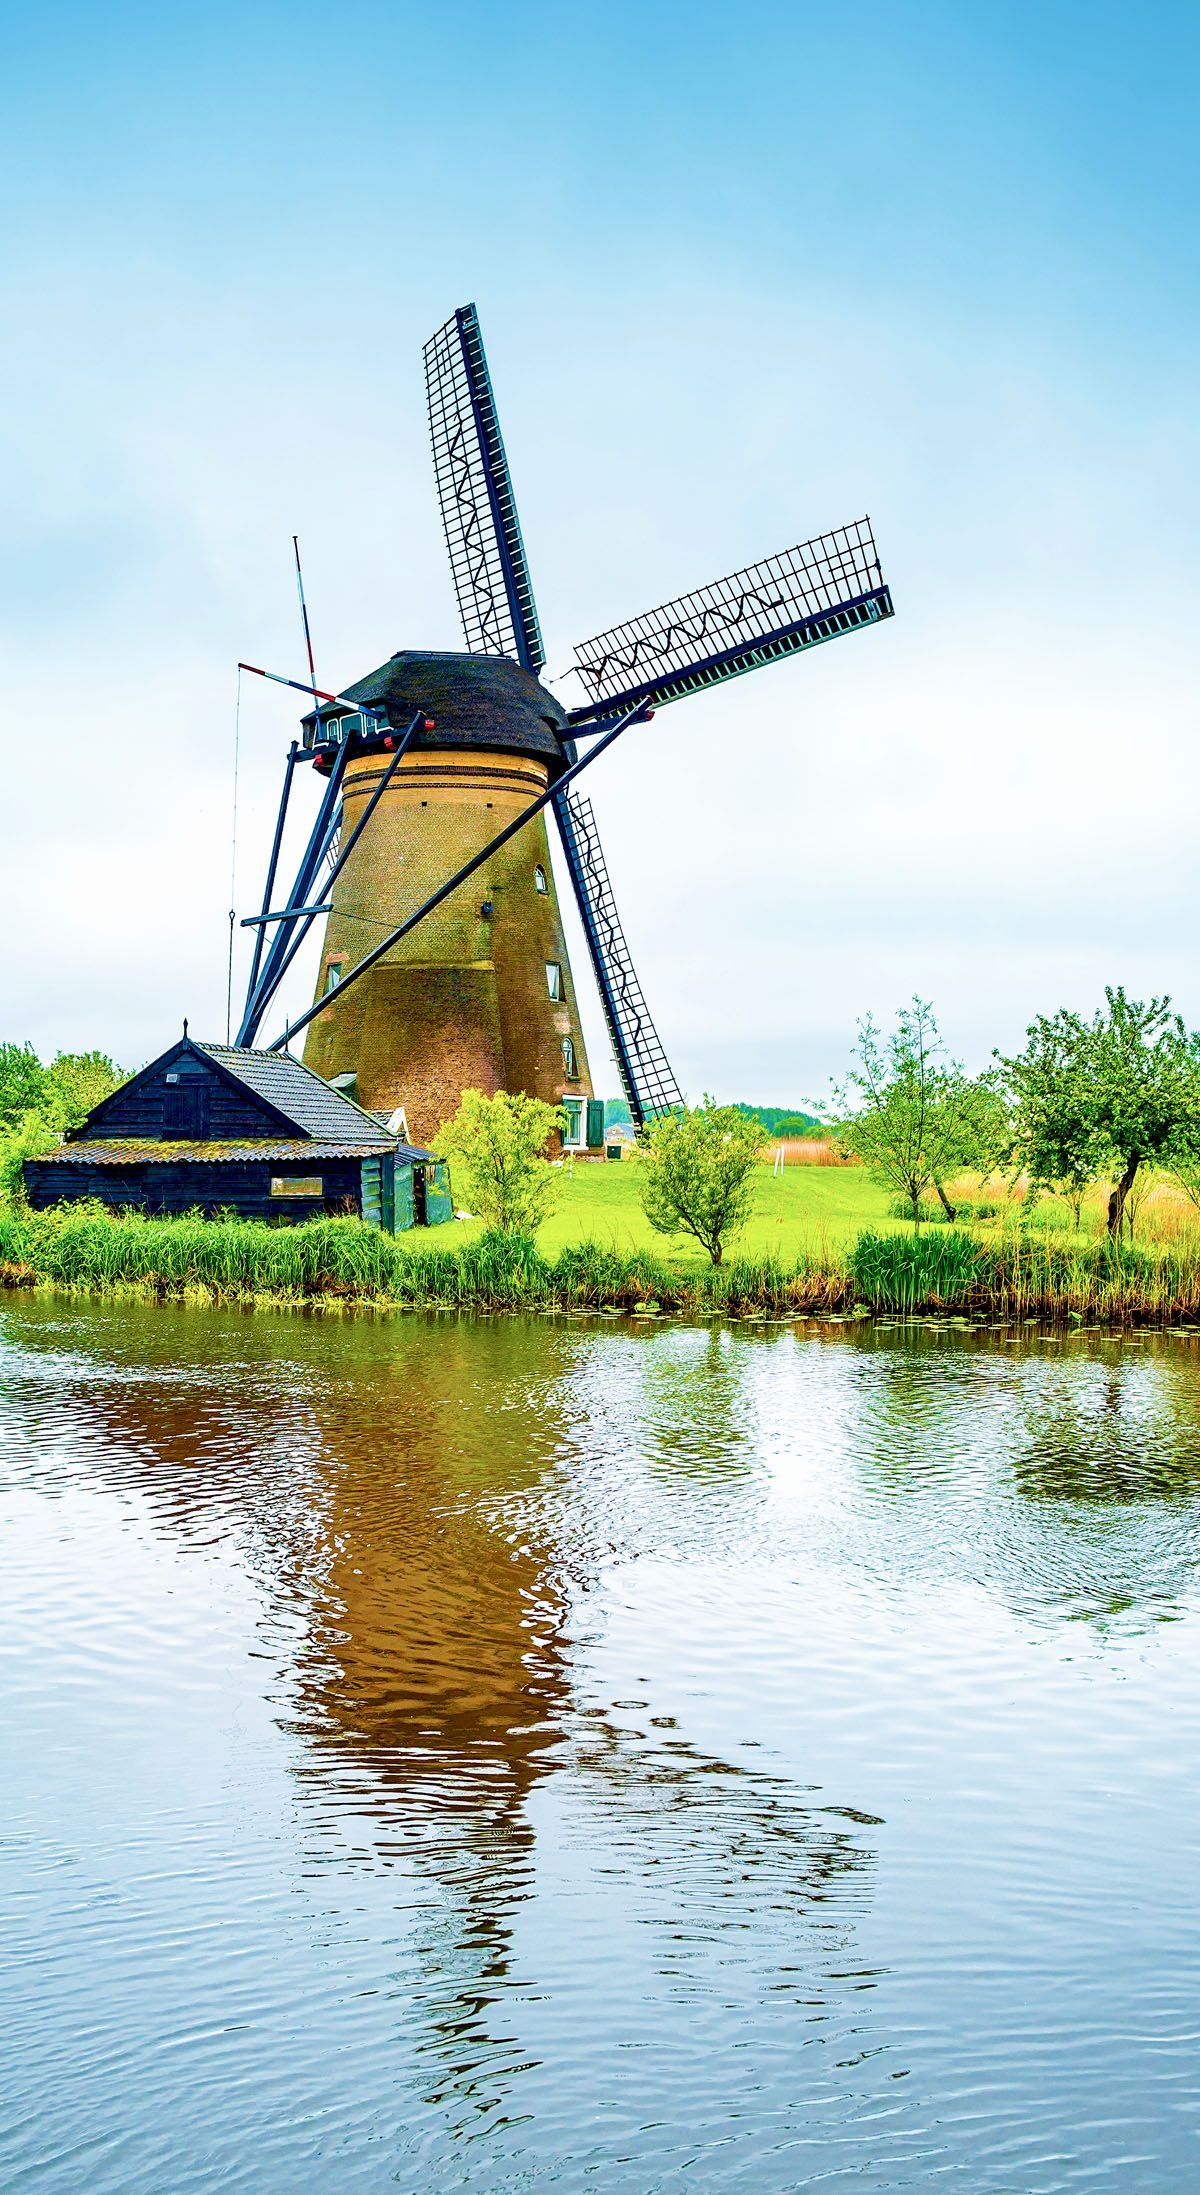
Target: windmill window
(573, 1123)
(333, 976)
(568, 1053)
(554, 982)
(539, 879)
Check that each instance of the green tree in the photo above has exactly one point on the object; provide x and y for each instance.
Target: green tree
(985, 1129)
(908, 1112)
(796, 1127)
(1105, 1097)
(29, 1137)
(22, 1083)
(75, 1082)
(497, 1149)
(697, 1167)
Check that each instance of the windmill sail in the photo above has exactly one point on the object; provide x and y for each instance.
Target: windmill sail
(646, 1077)
(479, 512)
(825, 587)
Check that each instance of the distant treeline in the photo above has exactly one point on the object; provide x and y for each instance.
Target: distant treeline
(782, 1121)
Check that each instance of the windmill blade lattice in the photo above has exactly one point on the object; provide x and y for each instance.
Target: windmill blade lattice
(479, 512)
(824, 587)
(646, 1077)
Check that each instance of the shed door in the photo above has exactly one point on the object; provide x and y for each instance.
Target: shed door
(405, 1215)
(387, 1178)
(372, 1193)
(439, 1203)
(185, 1112)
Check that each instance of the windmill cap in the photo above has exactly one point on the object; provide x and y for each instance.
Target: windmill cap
(475, 701)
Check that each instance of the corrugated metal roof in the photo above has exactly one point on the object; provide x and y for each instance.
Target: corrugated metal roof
(296, 1091)
(135, 1151)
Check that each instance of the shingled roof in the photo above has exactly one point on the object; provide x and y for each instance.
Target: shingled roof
(328, 1116)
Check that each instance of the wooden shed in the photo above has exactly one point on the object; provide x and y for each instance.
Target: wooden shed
(218, 1127)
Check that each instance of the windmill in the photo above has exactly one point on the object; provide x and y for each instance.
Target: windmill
(444, 963)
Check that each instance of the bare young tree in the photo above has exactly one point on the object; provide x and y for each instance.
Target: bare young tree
(909, 1112)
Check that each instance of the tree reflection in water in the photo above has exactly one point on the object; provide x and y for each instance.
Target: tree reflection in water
(1064, 1475)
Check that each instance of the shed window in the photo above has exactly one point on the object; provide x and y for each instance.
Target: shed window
(568, 1053)
(539, 879)
(554, 978)
(297, 1185)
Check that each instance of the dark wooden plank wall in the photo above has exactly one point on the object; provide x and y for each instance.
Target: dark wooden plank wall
(155, 1185)
(232, 1114)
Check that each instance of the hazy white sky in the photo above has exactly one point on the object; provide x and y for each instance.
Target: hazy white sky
(742, 276)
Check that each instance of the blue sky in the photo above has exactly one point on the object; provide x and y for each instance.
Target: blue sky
(742, 274)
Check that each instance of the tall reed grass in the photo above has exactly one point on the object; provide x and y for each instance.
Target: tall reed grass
(1014, 1274)
(1005, 1273)
(232, 1260)
(810, 1151)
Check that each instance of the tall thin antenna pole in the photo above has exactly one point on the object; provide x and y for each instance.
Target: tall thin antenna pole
(237, 754)
(312, 669)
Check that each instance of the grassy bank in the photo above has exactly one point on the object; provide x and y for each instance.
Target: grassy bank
(245, 1261)
(993, 1275)
(804, 1210)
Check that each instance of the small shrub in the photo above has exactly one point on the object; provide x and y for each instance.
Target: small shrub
(496, 1147)
(698, 1168)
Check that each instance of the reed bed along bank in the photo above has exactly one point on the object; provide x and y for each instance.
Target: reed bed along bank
(1007, 1275)
(341, 1260)
(1014, 1275)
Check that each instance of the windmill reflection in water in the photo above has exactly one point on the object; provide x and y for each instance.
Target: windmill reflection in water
(401, 1512)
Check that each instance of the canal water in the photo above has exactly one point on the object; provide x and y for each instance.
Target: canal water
(522, 1754)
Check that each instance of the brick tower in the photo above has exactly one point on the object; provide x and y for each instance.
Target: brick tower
(480, 995)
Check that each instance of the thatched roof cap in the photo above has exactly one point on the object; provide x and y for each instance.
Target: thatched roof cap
(475, 701)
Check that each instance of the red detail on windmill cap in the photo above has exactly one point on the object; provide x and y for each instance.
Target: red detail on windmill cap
(430, 724)
(389, 744)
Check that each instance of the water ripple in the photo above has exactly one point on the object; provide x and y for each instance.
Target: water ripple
(500, 1755)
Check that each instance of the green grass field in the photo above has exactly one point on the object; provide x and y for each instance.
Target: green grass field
(804, 1209)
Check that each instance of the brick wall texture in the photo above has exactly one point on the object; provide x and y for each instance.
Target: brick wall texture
(463, 1002)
